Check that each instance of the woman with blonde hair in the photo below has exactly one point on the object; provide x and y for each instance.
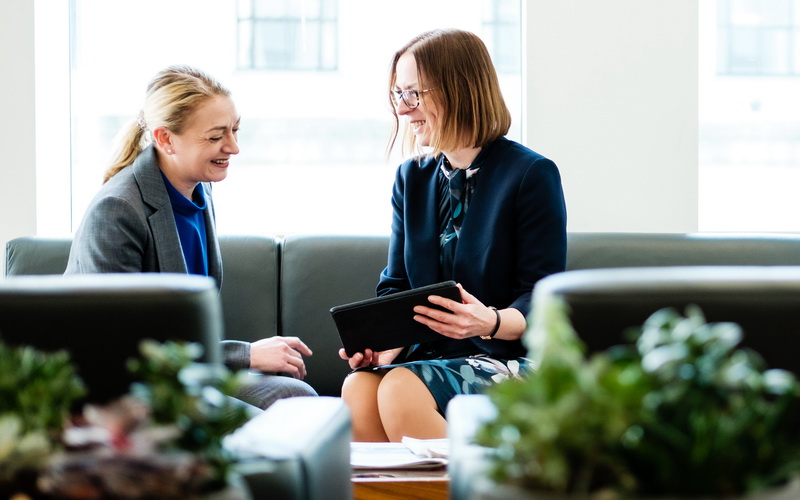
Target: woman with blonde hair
(471, 206)
(154, 212)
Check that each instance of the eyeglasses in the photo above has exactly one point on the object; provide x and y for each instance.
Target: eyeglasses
(409, 97)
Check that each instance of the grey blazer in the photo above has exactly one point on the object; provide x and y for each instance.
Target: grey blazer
(129, 226)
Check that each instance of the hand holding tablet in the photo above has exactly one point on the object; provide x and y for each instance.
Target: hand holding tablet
(387, 322)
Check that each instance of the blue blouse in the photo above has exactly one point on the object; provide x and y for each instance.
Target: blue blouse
(191, 227)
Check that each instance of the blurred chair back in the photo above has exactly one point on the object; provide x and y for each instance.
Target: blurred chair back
(763, 300)
(101, 319)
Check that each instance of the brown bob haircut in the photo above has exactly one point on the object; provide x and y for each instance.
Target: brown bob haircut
(471, 109)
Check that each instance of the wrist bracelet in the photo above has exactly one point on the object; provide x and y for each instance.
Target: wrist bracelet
(496, 325)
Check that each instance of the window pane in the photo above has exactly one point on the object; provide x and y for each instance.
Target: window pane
(749, 126)
(245, 52)
(275, 8)
(744, 51)
(245, 8)
(775, 52)
(796, 53)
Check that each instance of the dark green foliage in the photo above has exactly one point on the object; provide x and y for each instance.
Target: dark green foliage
(682, 410)
(37, 391)
(190, 400)
(40, 388)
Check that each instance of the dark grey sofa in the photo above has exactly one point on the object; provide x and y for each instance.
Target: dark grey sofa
(286, 285)
(271, 285)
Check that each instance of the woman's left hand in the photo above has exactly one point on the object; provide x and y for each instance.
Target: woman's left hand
(469, 318)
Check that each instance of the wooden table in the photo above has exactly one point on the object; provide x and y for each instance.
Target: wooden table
(427, 484)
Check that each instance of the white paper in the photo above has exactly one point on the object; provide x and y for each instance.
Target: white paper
(429, 448)
(390, 456)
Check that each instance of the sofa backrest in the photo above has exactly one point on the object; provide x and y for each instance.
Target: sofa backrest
(317, 273)
(603, 304)
(100, 320)
(605, 250)
(250, 286)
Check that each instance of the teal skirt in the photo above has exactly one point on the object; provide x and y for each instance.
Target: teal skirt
(447, 378)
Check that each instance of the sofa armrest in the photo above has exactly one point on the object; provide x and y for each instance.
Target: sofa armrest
(298, 449)
(36, 255)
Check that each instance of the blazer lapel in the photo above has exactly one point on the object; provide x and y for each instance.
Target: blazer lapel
(162, 220)
(214, 256)
(423, 208)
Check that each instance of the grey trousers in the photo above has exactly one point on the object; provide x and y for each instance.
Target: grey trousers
(261, 390)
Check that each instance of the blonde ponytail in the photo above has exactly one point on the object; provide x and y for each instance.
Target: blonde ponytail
(131, 141)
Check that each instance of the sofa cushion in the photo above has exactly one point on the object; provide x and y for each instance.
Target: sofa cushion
(249, 291)
(317, 273)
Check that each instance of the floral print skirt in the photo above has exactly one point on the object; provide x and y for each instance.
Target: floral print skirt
(447, 378)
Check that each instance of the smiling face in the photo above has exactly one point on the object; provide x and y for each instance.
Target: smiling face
(421, 119)
(202, 151)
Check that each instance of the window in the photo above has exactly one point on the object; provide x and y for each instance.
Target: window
(309, 78)
(749, 158)
(759, 37)
(503, 35)
(287, 34)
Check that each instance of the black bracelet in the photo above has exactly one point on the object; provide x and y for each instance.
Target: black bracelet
(496, 325)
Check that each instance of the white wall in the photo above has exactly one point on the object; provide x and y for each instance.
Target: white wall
(17, 126)
(612, 99)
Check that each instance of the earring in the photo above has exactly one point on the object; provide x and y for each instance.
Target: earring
(169, 151)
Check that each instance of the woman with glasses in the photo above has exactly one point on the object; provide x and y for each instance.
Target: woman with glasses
(154, 212)
(471, 206)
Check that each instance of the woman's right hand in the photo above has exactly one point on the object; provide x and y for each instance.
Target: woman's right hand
(370, 357)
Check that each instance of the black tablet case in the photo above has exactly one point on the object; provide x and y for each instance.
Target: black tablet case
(387, 322)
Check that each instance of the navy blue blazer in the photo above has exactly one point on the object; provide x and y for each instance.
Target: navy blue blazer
(513, 234)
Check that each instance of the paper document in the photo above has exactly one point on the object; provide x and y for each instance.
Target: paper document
(430, 448)
(391, 456)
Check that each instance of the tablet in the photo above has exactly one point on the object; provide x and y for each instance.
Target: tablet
(387, 322)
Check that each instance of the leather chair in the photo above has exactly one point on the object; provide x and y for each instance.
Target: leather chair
(763, 300)
(101, 319)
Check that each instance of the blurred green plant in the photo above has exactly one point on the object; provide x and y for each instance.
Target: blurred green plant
(167, 433)
(37, 391)
(681, 410)
(198, 398)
